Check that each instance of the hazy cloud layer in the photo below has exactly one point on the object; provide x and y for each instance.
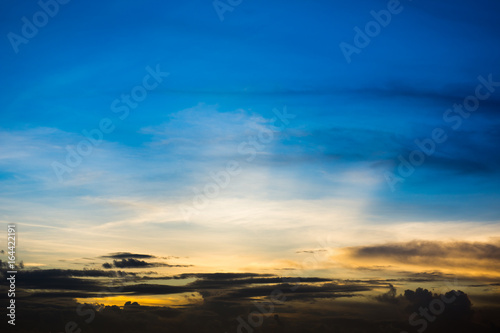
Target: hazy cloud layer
(465, 257)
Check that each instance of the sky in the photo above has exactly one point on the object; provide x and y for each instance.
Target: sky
(351, 144)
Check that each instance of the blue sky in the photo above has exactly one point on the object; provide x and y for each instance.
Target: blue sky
(351, 121)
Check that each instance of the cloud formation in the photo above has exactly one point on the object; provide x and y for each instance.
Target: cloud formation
(126, 255)
(136, 263)
(473, 258)
(213, 302)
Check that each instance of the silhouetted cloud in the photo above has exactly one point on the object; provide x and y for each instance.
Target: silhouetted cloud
(450, 307)
(47, 273)
(126, 255)
(222, 276)
(219, 283)
(389, 297)
(327, 290)
(135, 263)
(49, 304)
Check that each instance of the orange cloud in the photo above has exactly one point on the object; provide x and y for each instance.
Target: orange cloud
(472, 259)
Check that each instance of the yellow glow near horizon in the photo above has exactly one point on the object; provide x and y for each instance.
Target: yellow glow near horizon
(171, 300)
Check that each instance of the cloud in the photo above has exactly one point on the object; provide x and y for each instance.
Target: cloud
(135, 263)
(227, 286)
(472, 258)
(36, 274)
(67, 283)
(303, 291)
(215, 315)
(458, 306)
(222, 276)
(308, 302)
(225, 283)
(389, 297)
(130, 263)
(429, 249)
(126, 255)
(311, 251)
